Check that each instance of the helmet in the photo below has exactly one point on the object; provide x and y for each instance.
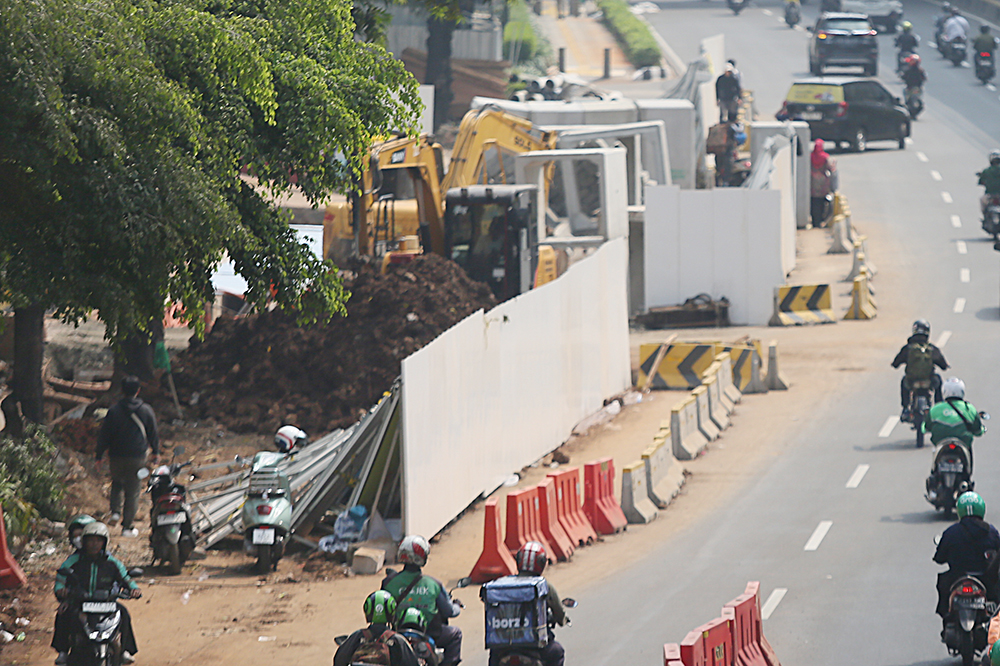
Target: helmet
(921, 327)
(985, 29)
(912, 60)
(907, 26)
(995, 654)
(946, 6)
(380, 607)
(414, 549)
(97, 529)
(289, 437)
(80, 521)
(162, 470)
(953, 387)
(531, 557)
(412, 618)
(971, 504)
(994, 156)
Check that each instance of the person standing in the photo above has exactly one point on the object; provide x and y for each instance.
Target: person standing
(127, 434)
(728, 92)
(823, 177)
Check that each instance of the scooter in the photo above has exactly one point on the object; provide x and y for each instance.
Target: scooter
(913, 98)
(991, 217)
(985, 66)
(793, 14)
(968, 619)
(171, 537)
(920, 403)
(951, 475)
(737, 5)
(267, 510)
(99, 643)
(956, 50)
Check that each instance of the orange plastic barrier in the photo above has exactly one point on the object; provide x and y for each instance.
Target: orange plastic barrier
(524, 520)
(672, 655)
(599, 503)
(693, 649)
(717, 638)
(753, 590)
(495, 560)
(569, 502)
(11, 575)
(745, 612)
(562, 545)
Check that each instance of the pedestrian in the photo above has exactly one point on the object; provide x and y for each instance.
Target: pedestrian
(824, 182)
(127, 434)
(727, 92)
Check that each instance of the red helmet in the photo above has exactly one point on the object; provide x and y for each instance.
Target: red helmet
(532, 558)
(912, 59)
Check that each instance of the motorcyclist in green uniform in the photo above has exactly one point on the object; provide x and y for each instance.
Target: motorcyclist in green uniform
(954, 417)
(990, 179)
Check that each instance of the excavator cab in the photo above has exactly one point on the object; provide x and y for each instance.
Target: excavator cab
(487, 233)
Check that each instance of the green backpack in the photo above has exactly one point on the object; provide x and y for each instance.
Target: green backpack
(919, 361)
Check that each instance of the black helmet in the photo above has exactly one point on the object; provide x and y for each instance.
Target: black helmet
(921, 327)
(984, 29)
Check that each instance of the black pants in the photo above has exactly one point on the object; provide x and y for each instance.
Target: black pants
(817, 210)
(449, 639)
(904, 390)
(68, 623)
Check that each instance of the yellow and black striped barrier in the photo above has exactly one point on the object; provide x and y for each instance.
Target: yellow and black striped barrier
(681, 367)
(802, 304)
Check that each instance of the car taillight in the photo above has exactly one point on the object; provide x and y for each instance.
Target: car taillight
(841, 110)
(264, 509)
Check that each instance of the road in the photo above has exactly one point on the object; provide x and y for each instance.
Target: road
(854, 562)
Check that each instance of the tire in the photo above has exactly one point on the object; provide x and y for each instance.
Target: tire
(860, 140)
(903, 131)
(920, 437)
(813, 68)
(967, 649)
(173, 558)
(265, 556)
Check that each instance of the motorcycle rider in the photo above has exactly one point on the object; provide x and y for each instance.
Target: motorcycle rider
(74, 532)
(954, 417)
(94, 569)
(913, 74)
(956, 28)
(990, 179)
(967, 547)
(919, 356)
(940, 20)
(985, 42)
(412, 625)
(412, 589)
(907, 40)
(531, 559)
(377, 643)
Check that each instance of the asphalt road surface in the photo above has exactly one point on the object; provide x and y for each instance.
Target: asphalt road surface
(837, 529)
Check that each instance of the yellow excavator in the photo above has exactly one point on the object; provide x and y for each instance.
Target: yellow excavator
(401, 206)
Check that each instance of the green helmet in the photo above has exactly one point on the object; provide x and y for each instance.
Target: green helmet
(80, 521)
(380, 607)
(971, 504)
(995, 654)
(412, 618)
(907, 26)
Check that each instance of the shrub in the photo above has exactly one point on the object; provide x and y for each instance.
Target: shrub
(521, 28)
(633, 34)
(30, 485)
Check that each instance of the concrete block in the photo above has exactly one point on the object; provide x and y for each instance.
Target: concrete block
(367, 561)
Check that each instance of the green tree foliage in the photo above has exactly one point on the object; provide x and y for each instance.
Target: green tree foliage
(127, 124)
(29, 485)
(632, 34)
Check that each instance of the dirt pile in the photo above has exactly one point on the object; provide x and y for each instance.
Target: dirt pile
(256, 373)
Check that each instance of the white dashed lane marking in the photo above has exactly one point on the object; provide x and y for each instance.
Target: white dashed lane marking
(859, 474)
(991, 87)
(887, 427)
(956, 221)
(964, 275)
(946, 197)
(921, 157)
(935, 175)
(962, 247)
(767, 12)
(817, 536)
(959, 306)
(943, 339)
(772, 602)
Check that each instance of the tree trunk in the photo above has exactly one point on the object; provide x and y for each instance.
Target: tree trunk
(29, 338)
(439, 66)
(136, 356)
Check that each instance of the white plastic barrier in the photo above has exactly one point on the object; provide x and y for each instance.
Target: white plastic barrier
(664, 475)
(501, 389)
(636, 505)
(686, 439)
(705, 423)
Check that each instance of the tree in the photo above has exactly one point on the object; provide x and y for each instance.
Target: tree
(127, 125)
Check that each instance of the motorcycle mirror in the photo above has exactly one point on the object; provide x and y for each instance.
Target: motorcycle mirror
(391, 572)
(143, 473)
(984, 416)
(569, 602)
(179, 451)
(937, 539)
(340, 640)
(136, 572)
(464, 582)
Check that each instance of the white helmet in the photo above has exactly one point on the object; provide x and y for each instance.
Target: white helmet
(289, 437)
(953, 387)
(162, 470)
(414, 549)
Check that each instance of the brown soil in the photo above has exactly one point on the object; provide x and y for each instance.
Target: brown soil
(253, 374)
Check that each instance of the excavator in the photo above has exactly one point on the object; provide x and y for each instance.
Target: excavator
(401, 207)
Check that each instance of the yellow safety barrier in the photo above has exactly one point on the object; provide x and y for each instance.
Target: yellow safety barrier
(863, 304)
(681, 366)
(802, 304)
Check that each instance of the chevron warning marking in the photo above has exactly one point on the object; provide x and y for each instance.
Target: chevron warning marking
(802, 304)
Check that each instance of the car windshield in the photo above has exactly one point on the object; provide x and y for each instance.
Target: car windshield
(846, 25)
(811, 93)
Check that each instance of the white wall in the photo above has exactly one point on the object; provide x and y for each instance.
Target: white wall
(483, 44)
(501, 389)
(715, 49)
(723, 242)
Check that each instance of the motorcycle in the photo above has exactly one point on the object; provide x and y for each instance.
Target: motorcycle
(991, 217)
(518, 655)
(968, 619)
(793, 14)
(737, 5)
(99, 644)
(913, 98)
(267, 510)
(951, 475)
(171, 537)
(956, 50)
(985, 66)
(921, 399)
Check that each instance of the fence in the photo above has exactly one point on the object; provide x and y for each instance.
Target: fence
(501, 389)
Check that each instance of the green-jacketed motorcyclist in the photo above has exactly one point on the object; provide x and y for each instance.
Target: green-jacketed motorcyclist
(953, 416)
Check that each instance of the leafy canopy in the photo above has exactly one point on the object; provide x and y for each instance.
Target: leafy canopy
(126, 124)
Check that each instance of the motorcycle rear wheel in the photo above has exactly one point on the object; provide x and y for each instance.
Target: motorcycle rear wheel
(967, 649)
(265, 556)
(173, 558)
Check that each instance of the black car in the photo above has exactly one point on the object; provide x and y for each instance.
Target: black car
(841, 39)
(847, 109)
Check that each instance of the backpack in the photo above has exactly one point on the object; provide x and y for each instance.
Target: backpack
(516, 612)
(919, 361)
(374, 650)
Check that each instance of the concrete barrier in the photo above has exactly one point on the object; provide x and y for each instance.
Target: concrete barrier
(524, 520)
(774, 381)
(726, 381)
(756, 383)
(548, 508)
(715, 370)
(686, 439)
(495, 561)
(636, 505)
(681, 365)
(599, 503)
(664, 474)
(569, 504)
(802, 304)
(705, 423)
(840, 232)
(863, 304)
(716, 409)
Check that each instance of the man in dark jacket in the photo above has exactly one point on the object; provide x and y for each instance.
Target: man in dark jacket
(728, 92)
(920, 357)
(967, 547)
(127, 434)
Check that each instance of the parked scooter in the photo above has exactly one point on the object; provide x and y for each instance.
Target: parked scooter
(99, 642)
(737, 5)
(793, 13)
(985, 66)
(267, 510)
(991, 217)
(170, 537)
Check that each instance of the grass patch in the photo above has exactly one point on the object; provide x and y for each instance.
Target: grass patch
(632, 34)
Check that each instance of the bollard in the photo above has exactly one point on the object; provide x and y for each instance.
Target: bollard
(607, 63)
(774, 381)
(562, 58)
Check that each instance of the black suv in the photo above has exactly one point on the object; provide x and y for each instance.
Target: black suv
(847, 109)
(843, 40)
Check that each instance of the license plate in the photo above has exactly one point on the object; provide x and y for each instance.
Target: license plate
(971, 602)
(99, 606)
(811, 115)
(263, 537)
(171, 518)
(950, 467)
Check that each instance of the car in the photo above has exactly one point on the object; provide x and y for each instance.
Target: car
(884, 14)
(843, 39)
(847, 110)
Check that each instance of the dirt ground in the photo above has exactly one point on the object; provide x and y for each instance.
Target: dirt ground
(219, 611)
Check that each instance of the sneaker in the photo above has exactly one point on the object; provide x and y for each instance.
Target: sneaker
(905, 416)
(127, 658)
(130, 532)
(61, 658)
(114, 519)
